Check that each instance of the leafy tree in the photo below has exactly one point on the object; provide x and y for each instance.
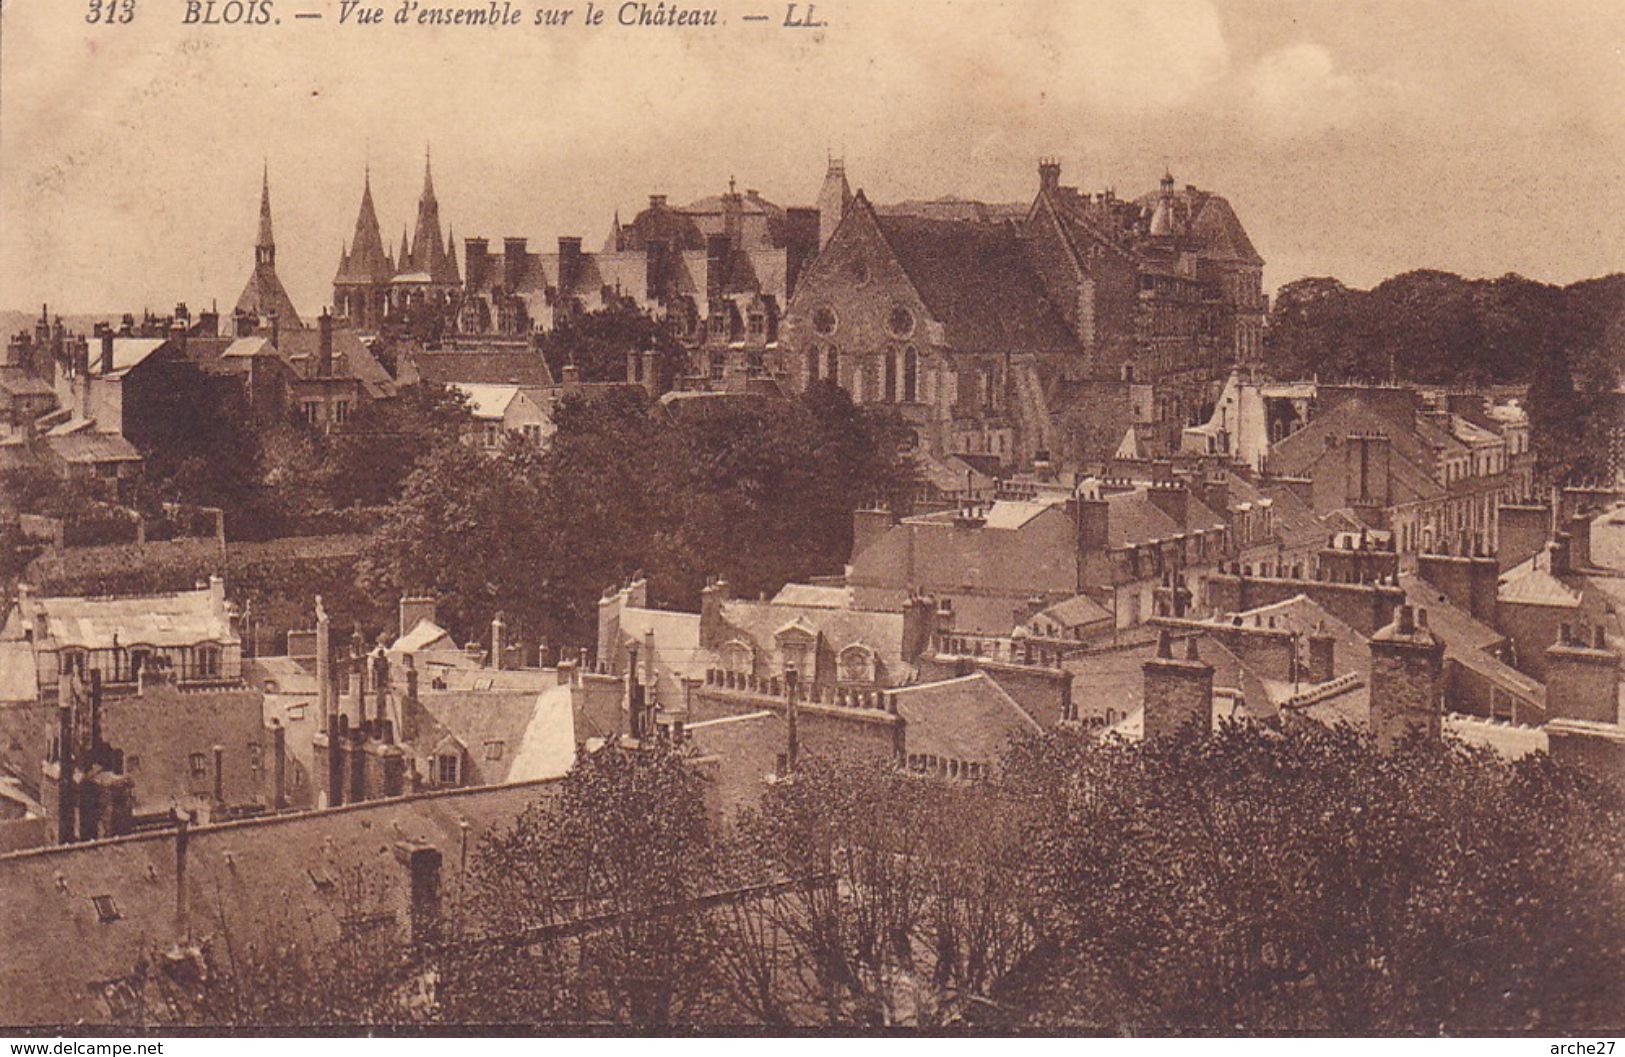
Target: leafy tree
(467, 530)
(1260, 881)
(596, 884)
(913, 900)
(597, 343)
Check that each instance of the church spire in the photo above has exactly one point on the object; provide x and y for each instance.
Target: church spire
(265, 244)
(264, 296)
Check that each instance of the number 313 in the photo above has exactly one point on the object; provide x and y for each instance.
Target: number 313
(119, 12)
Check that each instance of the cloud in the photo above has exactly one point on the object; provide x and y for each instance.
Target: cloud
(1298, 90)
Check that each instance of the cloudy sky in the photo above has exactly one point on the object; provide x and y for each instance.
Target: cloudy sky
(1355, 139)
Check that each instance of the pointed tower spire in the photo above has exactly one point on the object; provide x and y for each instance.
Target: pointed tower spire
(404, 261)
(264, 297)
(265, 240)
(428, 175)
(451, 256)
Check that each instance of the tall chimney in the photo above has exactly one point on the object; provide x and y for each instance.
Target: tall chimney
(219, 777)
(1322, 657)
(324, 361)
(569, 263)
(279, 765)
(324, 664)
(107, 353)
(497, 628)
(513, 262)
(792, 734)
(67, 789)
(183, 837)
(422, 863)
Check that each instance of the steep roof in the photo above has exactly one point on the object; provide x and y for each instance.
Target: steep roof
(366, 262)
(488, 401)
(971, 718)
(975, 279)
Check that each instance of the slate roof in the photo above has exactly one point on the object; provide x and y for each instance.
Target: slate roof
(262, 881)
(351, 358)
(484, 368)
(127, 354)
(18, 382)
(1211, 221)
(1077, 611)
(971, 718)
(488, 401)
(19, 679)
(89, 448)
(182, 618)
(976, 280)
(533, 729)
(815, 595)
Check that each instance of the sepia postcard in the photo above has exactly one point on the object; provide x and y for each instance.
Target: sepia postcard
(858, 517)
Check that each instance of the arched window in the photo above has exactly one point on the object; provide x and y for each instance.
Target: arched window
(832, 364)
(812, 365)
(890, 389)
(911, 375)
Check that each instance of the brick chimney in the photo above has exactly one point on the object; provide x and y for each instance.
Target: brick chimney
(1579, 531)
(279, 765)
(513, 261)
(324, 663)
(1178, 693)
(324, 351)
(498, 627)
(1093, 515)
(107, 352)
(569, 262)
(713, 629)
(1407, 679)
(1582, 677)
(423, 915)
(476, 258)
(1171, 499)
(414, 610)
(1322, 657)
(919, 626)
(570, 378)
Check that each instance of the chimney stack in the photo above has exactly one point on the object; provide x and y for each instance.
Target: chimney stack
(219, 777)
(497, 629)
(713, 629)
(1407, 679)
(422, 864)
(107, 353)
(1178, 693)
(513, 262)
(279, 765)
(324, 361)
(1582, 677)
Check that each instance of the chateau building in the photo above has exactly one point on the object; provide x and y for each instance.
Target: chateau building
(1088, 326)
(371, 288)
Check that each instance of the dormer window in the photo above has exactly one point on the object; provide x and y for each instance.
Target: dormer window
(448, 768)
(857, 664)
